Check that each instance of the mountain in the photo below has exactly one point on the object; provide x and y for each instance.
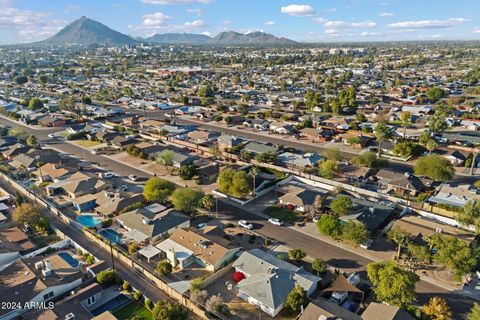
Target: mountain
(85, 31)
(179, 38)
(223, 38)
(253, 38)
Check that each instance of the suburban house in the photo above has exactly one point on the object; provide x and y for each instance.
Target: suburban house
(319, 135)
(299, 198)
(15, 150)
(178, 159)
(376, 311)
(76, 185)
(373, 215)
(38, 279)
(51, 172)
(420, 228)
(186, 247)
(322, 309)
(52, 121)
(280, 127)
(152, 222)
(403, 184)
(109, 203)
(201, 136)
(259, 148)
(269, 280)
(454, 195)
(88, 303)
(227, 141)
(303, 160)
(151, 150)
(24, 161)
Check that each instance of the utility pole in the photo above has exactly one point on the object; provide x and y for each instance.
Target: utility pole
(111, 254)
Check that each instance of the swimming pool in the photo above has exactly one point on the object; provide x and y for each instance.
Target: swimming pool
(111, 235)
(69, 259)
(112, 305)
(89, 220)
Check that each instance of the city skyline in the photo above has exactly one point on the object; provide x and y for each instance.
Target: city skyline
(303, 21)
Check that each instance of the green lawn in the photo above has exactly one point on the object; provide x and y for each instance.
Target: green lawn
(281, 213)
(133, 309)
(87, 143)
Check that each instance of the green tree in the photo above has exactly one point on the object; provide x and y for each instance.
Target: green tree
(164, 268)
(333, 154)
(470, 214)
(329, 225)
(42, 79)
(166, 158)
(187, 172)
(355, 232)
(435, 167)
(328, 168)
(342, 205)
(296, 254)
(454, 254)
(296, 299)
(420, 253)
(187, 199)
(196, 283)
(382, 133)
(165, 310)
(474, 313)
(32, 140)
(424, 138)
(319, 266)
(235, 183)
(20, 79)
(366, 159)
(406, 149)
(435, 94)
(208, 202)
(392, 284)
(406, 119)
(205, 91)
(437, 123)
(133, 247)
(437, 309)
(35, 104)
(158, 190)
(107, 277)
(431, 145)
(400, 237)
(27, 214)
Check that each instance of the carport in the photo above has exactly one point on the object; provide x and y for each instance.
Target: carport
(149, 252)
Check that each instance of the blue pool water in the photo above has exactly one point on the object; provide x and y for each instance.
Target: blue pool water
(68, 259)
(112, 305)
(111, 235)
(89, 221)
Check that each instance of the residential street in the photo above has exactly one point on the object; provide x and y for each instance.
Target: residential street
(334, 255)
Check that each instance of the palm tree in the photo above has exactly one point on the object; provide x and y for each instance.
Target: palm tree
(475, 148)
(405, 117)
(382, 133)
(400, 237)
(254, 172)
(437, 309)
(474, 313)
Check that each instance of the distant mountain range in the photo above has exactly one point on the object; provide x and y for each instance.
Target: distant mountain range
(85, 31)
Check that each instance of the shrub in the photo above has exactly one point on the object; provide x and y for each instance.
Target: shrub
(107, 277)
(126, 286)
(137, 295)
(107, 223)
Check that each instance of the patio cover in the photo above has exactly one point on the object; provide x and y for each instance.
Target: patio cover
(2, 217)
(3, 207)
(342, 284)
(149, 252)
(137, 235)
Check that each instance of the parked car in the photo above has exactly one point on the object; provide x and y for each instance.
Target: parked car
(245, 224)
(354, 279)
(122, 188)
(316, 218)
(133, 177)
(51, 135)
(366, 244)
(108, 175)
(339, 297)
(275, 221)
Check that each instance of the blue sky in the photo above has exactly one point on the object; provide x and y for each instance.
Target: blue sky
(308, 21)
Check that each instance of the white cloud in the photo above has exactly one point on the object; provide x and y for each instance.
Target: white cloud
(298, 10)
(432, 37)
(386, 14)
(349, 25)
(476, 30)
(196, 11)
(270, 23)
(331, 31)
(195, 24)
(207, 33)
(165, 2)
(428, 24)
(372, 34)
(17, 25)
(155, 20)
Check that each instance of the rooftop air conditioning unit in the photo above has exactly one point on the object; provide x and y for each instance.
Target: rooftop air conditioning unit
(39, 265)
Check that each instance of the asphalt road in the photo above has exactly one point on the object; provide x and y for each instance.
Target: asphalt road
(150, 290)
(314, 247)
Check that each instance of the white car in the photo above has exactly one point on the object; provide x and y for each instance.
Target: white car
(245, 224)
(133, 177)
(275, 221)
(51, 135)
(366, 244)
(316, 218)
(122, 188)
(108, 175)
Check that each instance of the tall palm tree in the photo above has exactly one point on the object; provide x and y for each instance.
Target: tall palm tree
(400, 237)
(431, 145)
(254, 172)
